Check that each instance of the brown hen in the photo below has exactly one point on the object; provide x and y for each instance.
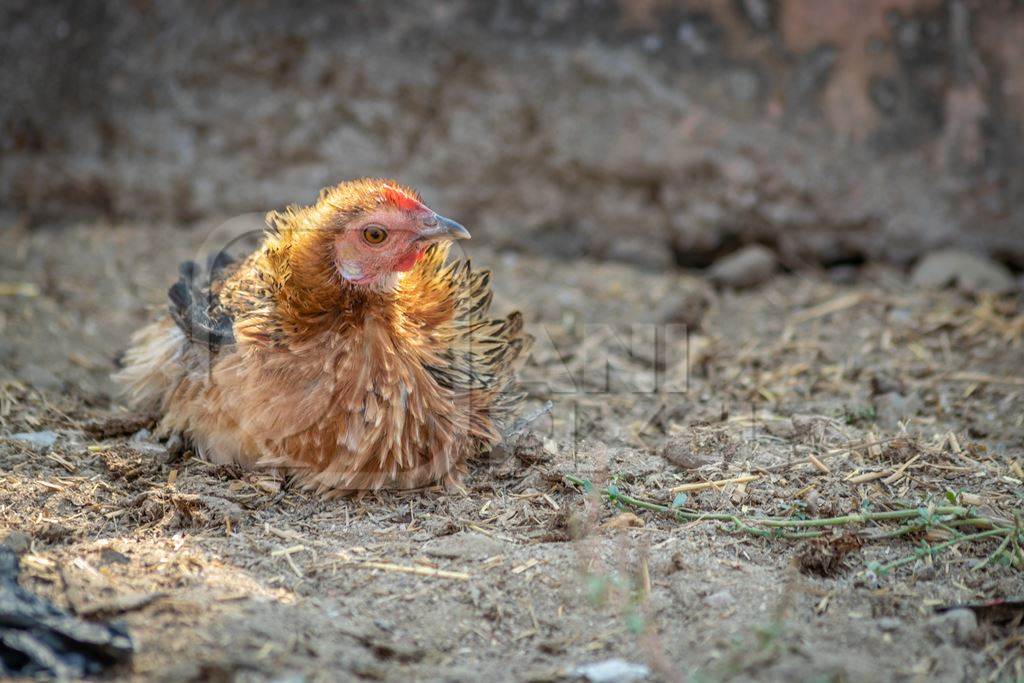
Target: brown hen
(345, 350)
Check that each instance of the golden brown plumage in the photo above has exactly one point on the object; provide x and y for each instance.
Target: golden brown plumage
(350, 363)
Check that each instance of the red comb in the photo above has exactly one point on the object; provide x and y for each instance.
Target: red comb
(400, 200)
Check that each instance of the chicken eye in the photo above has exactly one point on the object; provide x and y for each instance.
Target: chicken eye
(375, 234)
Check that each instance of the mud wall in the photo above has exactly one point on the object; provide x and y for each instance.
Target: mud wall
(655, 132)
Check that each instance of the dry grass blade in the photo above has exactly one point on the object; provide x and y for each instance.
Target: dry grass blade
(409, 569)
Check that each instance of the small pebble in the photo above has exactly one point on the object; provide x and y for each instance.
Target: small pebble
(719, 600)
(18, 541)
(141, 435)
(888, 624)
(747, 267)
(612, 671)
(36, 439)
(969, 272)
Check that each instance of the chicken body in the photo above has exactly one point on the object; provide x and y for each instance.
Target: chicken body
(349, 366)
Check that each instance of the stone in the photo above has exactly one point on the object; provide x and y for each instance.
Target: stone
(683, 306)
(611, 671)
(748, 267)
(465, 545)
(140, 436)
(39, 440)
(18, 541)
(719, 600)
(969, 272)
(888, 624)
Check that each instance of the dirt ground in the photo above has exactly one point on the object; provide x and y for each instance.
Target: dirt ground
(826, 394)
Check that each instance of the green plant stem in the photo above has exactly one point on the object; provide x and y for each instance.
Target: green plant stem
(747, 525)
(994, 554)
(935, 549)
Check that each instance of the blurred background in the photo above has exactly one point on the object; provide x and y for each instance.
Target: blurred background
(665, 134)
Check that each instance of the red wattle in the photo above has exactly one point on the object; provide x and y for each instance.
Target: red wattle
(408, 261)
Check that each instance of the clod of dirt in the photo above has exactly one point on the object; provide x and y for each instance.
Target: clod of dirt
(957, 626)
(685, 306)
(680, 452)
(561, 527)
(529, 449)
(117, 425)
(38, 639)
(623, 520)
(524, 447)
(970, 273)
(747, 267)
(824, 557)
(184, 510)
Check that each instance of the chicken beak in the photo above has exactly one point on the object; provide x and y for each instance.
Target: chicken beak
(440, 229)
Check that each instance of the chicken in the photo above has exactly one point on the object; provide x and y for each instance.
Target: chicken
(345, 350)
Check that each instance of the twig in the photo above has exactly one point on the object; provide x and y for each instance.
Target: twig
(982, 378)
(868, 476)
(898, 472)
(833, 306)
(821, 467)
(701, 485)
(421, 571)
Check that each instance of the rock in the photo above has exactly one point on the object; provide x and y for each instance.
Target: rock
(888, 624)
(957, 626)
(747, 267)
(465, 545)
(684, 306)
(611, 671)
(148, 448)
(38, 440)
(19, 542)
(719, 600)
(141, 436)
(969, 272)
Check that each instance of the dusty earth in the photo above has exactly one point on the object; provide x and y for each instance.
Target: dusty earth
(826, 396)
